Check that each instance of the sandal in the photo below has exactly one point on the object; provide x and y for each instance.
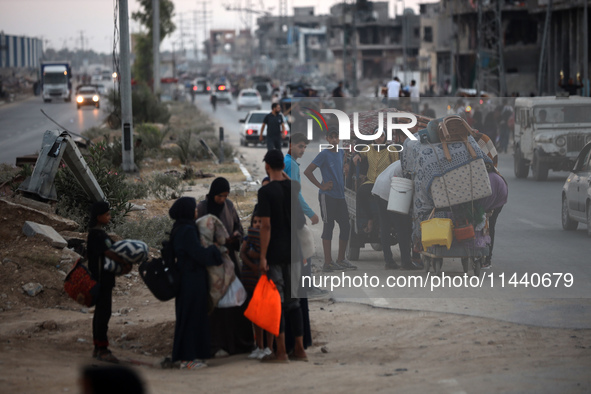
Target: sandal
(106, 356)
(192, 365)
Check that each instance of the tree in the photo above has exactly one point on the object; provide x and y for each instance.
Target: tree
(142, 68)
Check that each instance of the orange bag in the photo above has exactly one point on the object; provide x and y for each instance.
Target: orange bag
(264, 308)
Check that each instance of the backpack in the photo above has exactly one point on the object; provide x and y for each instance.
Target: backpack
(161, 274)
(454, 128)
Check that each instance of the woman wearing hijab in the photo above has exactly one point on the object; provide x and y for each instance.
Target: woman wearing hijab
(216, 203)
(191, 332)
(232, 332)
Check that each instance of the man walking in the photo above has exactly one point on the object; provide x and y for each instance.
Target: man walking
(275, 127)
(394, 93)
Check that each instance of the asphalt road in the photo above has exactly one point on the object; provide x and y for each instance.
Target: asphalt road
(22, 124)
(530, 241)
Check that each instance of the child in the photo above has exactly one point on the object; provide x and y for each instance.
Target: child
(98, 248)
(331, 195)
(250, 253)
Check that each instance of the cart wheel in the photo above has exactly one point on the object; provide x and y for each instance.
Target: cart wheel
(466, 264)
(437, 265)
(426, 263)
(476, 265)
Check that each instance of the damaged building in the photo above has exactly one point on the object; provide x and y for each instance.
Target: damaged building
(365, 31)
(506, 47)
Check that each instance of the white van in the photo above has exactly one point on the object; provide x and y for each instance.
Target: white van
(549, 133)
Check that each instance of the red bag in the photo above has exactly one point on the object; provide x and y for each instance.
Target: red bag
(464, 232)
(264, 308)
(81, 286)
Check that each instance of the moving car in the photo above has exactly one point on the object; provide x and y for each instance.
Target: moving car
(249, 98)
(576, 193)
(87, 95)
(252, 123)
(265, 89)
(549, 133)
(223, 92)
(201, 86)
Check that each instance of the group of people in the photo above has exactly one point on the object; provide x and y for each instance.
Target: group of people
(266, 248)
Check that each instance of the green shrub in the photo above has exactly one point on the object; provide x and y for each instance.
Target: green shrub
(95, 132)
(145, 107)
(166, 186)
(151, 230)
(151, 135)
(74, 203)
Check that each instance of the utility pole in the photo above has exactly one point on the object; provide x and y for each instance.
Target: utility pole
(156, 45)
(126, 112)
(542, 62)
(585, 50)
(354, 49)
(344, 40)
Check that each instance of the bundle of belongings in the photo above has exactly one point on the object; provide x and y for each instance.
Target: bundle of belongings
(451, 181)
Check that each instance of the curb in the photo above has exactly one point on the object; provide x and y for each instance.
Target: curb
(244, 170)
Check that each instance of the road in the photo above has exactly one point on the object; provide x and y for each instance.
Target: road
(22, 124)
(529, 240)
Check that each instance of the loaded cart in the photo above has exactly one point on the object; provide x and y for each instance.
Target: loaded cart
(450, 178)
(368, 123)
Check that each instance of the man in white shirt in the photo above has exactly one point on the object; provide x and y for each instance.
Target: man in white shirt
(394, 93)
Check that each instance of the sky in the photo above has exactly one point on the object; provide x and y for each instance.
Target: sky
(63, 23)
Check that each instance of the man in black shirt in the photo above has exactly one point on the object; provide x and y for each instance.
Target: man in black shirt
(275, 127)
(274, 208)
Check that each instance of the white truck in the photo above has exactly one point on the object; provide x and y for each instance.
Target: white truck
(56, 80)
(549, 133)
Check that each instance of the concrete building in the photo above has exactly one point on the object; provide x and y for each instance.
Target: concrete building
(521, 39)
(378, 40)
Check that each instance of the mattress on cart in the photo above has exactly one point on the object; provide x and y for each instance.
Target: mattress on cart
(420, 161)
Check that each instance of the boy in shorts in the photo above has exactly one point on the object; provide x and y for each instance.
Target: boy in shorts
(331, 195)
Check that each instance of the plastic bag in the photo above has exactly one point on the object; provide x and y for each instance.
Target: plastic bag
(264, 308)
(235, 296)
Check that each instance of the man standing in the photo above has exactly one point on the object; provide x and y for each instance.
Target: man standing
(414, 96)
(394, 93)
(297, 146)
(339, 95)
(275, 127)
(274, 208)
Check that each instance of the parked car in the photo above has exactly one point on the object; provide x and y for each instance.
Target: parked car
(249, 98)
(223, 92)
(549, 133)
(87, 95)
(265, 89)
(251, 125)
(576, 193)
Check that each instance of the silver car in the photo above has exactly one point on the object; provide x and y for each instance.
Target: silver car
(576, 193)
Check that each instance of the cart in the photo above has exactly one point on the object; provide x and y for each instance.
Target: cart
(357, 238)
(471, 257)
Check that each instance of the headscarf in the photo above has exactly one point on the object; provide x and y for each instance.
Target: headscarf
(113, 379)
(183, 209)
(97, 209)
(218, 186)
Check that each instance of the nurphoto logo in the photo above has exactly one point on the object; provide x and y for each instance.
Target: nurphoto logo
(345, 128)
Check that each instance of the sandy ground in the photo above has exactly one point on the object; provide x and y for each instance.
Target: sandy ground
(45, 340)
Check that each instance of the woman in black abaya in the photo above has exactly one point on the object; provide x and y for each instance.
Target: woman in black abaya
(231, 331)
(192, 339)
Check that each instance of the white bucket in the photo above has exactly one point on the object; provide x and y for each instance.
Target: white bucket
(401, 191)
